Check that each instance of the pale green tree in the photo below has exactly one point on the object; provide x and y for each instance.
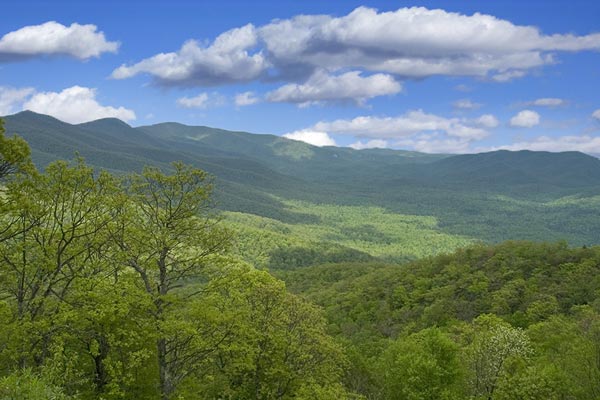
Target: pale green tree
(496, 343)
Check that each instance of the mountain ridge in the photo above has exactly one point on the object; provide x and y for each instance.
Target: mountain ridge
(492, 195)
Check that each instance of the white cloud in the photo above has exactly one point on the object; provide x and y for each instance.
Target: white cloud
(415, 129)
(525, 119)
(246, 99)
(322, 87)
(371, 144)
(11, 99)
(200, 101)
(52, 38)
(75, 105)
(417, 42)
(403, 126)
(315, 138)
(487, 121)
(226, 60)
(596, 114)
(435, 145)
(546, 102)
(585, 144)
(466, 104)
(410, 42)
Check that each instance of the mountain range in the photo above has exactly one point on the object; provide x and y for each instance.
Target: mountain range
(490, 196)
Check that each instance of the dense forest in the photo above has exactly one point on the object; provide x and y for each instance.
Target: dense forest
(123, 288)
(133, 285)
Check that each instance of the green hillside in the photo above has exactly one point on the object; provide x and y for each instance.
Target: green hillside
(433, 316)
(357, 289)
(489, 196)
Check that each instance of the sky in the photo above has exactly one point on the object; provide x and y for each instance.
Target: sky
(431, 76)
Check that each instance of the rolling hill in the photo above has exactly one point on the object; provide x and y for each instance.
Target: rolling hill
(488, 196)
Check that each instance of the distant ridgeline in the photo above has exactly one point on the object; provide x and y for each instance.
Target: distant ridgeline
(443, 201)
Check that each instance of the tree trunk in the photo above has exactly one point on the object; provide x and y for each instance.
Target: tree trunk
(101, 375)
(166, 384)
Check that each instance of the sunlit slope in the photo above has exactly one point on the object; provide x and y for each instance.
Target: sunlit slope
(338, 233)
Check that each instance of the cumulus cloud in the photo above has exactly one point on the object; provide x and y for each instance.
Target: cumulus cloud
(596, 114)
(316, 138)
(487, 121)
(406, 125)
(409, 42)
(226, 60)
(11, 99)
(466, 104)
(546, 102)
(245, 99)
(322, 87)
(585, 144)
(52, 38)
(416, 129)
(525, 119)
(371, 144)
(75, 105)
(417, 42)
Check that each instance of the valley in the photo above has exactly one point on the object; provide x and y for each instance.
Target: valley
(490, 196)
(379, 274)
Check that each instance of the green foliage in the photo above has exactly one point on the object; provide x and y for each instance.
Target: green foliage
(275, 346)
(522, 315)
(115, 289)
(568, 347)
(422, 366)
(25, 385)
(14, 154)
(522, 282)
(339, 235)
(541, 382)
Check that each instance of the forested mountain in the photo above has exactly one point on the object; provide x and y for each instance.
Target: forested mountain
(116, 283)
(489, 196)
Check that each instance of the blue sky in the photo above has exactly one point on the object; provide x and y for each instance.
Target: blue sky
(433, 76)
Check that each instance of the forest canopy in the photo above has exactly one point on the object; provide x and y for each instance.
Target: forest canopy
(135, 286)
(124, 287)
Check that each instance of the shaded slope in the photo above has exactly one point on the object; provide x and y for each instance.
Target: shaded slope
(244, 184)
(506, 170)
